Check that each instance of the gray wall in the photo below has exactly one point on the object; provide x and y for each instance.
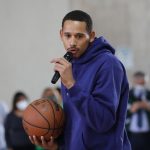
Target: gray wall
(125, 23)
(29, 35)
(29, 39)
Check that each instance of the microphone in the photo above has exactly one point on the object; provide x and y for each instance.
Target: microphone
(68, 56)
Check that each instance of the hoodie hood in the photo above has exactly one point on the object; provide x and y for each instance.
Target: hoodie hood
(98, 46)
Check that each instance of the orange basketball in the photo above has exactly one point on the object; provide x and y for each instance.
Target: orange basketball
(43, 117)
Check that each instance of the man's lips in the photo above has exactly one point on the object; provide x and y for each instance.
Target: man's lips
(73, 50)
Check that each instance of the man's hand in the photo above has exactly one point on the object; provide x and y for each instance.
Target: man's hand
(140, 105)
(65, 69)
(51, 145)
(135, 107)
(145, 105)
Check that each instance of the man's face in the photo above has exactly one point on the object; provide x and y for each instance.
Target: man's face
(75, 37)
(139, 81)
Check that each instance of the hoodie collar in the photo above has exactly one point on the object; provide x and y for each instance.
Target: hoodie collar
(98, 46)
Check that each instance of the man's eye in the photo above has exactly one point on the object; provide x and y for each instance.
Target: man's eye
(79, 36)
(67, 35)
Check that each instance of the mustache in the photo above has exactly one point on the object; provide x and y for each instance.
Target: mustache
(72, 48)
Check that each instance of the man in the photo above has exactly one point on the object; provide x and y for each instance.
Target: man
(138, 118)
(94, 90)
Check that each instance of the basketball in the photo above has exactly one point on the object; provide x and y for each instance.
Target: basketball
(43, 117)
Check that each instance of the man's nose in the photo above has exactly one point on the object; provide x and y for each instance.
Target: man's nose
(73, 42)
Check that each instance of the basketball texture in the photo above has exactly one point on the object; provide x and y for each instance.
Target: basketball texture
(43, 117)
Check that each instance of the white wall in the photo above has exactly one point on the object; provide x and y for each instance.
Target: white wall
(29, 39)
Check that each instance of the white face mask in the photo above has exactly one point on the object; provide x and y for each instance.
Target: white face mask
(138, 89)
(21, 105)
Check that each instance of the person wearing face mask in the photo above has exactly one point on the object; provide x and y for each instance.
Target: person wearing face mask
(138, 116)
(16, 138)
(52, 94)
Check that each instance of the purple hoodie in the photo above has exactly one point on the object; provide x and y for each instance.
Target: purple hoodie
(95, 107)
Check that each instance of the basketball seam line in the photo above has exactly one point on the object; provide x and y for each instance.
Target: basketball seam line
(62, 114)
(62, 118)
(42, 127)
(53, 115)
(42, 116)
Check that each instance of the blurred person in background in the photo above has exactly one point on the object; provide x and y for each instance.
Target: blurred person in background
(48, 93)
(58, 89)
(57, 93)
(16, 138)
(3, 113)
(53, 94)
(138, 116)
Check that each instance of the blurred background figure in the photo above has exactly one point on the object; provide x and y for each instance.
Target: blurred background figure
(16, 138)
(138, 116)
(53, 94)
(48, 93)
(3, 113)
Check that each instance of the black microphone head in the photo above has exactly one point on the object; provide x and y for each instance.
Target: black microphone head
(68, 56)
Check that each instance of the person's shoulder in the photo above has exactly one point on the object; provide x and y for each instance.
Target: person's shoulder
(110, 60)
(10, 115)
(111, 57)
(131, 92)
(148, 93)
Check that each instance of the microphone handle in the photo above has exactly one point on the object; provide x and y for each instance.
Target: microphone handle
(55, 77)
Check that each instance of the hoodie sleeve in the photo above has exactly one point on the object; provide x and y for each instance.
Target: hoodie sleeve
(99, 108)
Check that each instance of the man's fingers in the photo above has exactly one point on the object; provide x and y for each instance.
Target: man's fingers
(36, 141)
(44, 143)
(51, 139)
(58, 68)
(54, 60)
(59, 60)
(51, 142)
(31, 139)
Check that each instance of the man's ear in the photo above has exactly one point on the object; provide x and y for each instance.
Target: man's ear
(92, 36)
(60, 32)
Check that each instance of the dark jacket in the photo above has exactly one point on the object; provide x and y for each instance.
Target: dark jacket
(14, 133)
(133, 99)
